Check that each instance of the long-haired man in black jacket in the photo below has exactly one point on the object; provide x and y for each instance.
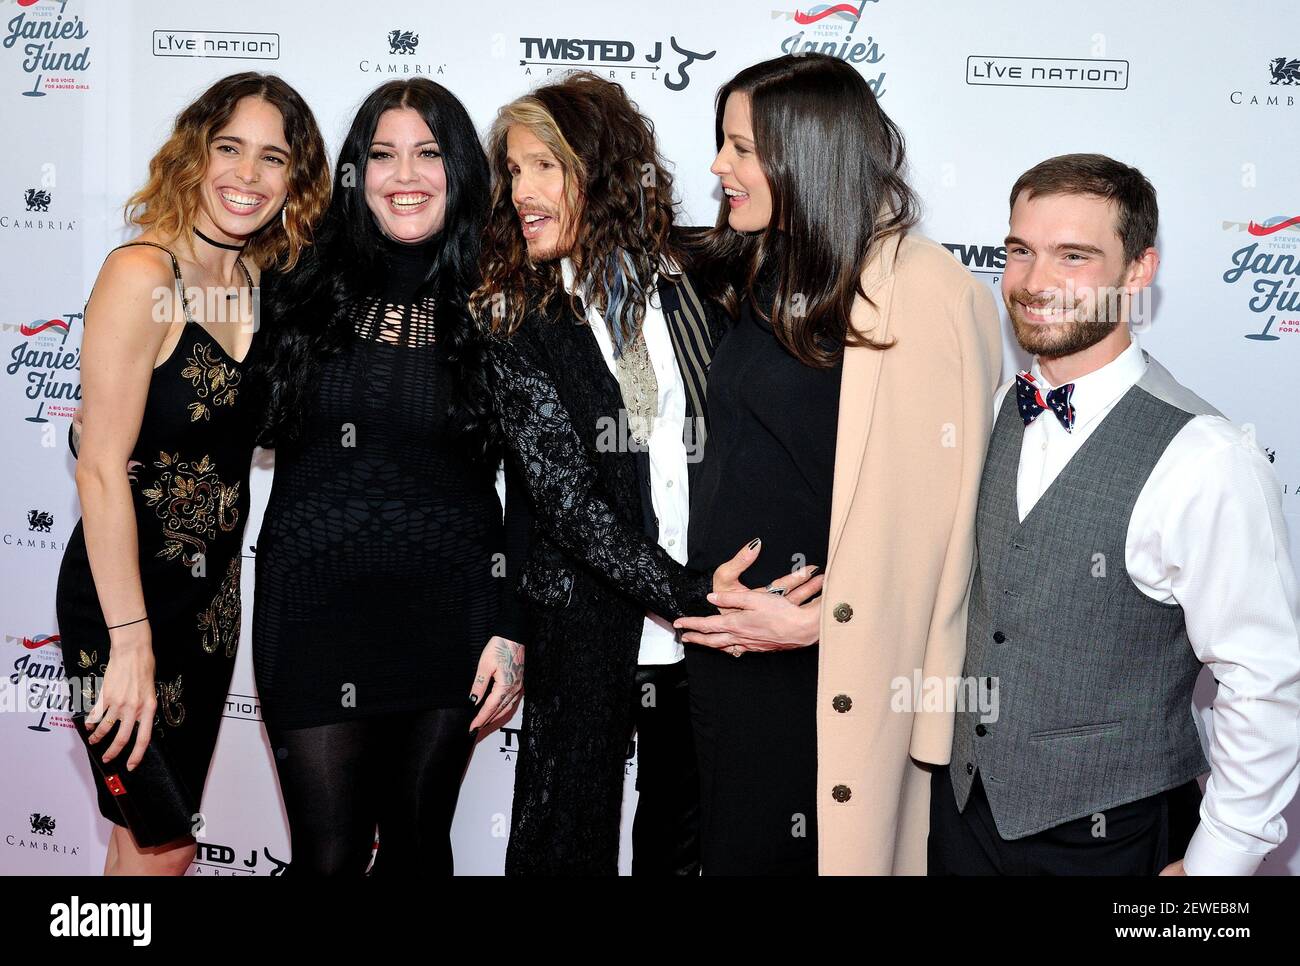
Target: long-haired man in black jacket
(600, 362)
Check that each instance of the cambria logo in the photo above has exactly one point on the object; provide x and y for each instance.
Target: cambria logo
(402, 41)
(42, 824)
(37, 200)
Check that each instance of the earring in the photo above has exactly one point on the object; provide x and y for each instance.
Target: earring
(284, 218)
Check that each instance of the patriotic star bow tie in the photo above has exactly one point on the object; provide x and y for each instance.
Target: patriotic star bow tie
(1030, 399)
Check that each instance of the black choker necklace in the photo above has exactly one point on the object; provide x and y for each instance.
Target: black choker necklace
(229, 248)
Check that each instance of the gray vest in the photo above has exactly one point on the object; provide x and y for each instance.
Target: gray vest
(1093, 678)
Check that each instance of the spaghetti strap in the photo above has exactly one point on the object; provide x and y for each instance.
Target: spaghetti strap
(176, 270)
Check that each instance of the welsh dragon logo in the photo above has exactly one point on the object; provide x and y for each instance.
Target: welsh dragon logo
(1285, 72)
(402, 41)
(37, 200)
(42, 824)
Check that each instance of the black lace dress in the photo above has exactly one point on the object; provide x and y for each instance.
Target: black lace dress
(188, 474)
(381, 563)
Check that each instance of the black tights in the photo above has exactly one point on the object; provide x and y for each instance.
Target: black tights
(399, 772)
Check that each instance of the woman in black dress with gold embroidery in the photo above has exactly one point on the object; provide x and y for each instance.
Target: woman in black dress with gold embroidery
(148, 592)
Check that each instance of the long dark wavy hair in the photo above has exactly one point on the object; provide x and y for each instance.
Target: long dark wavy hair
(615, 183)
(308, 310)
(834, 161)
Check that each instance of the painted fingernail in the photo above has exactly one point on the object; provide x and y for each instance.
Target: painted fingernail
(753, 543)
(711, 598)
(813, 570)
(473, 699)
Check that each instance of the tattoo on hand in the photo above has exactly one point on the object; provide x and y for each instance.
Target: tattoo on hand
(510, 659)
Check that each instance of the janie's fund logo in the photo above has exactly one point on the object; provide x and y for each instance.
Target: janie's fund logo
(47, 366)
(833, 29)
(1267, 265)
(51, 46)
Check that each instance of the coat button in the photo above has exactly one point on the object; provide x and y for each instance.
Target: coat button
(841, 793)
(999, 637)
(841, 703)
(981, 730)
(842, 613)
(970, 768)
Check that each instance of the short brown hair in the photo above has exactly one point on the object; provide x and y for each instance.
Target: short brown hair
(1096, 174)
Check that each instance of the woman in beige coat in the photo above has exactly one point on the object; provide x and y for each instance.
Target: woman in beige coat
(849, 409)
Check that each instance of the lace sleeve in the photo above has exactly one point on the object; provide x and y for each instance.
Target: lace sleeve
(512, 613)
(566, 497)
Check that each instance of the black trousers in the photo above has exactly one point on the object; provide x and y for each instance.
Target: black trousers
(1140, 839)
(666, 831)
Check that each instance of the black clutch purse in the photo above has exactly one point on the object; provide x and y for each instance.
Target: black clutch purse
(153, 799)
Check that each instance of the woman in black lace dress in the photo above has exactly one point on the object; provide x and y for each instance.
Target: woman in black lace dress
(383, 608)
(148, 592)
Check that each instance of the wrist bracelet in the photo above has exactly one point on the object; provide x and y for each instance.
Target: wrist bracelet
(129, 623)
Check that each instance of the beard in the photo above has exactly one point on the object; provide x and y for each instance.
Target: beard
(1082, 325)
(561, 245)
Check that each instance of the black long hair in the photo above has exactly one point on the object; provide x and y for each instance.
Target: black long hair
(834, 162)
(308, 310)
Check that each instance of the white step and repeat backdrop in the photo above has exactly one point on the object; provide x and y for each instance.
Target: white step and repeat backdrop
(1196, 93)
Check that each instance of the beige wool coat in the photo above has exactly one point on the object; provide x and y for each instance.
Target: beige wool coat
(913, 425)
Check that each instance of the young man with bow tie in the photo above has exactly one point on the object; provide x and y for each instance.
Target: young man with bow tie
(1128, 534)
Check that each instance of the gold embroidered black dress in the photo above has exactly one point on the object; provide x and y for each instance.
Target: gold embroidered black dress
(189, 485)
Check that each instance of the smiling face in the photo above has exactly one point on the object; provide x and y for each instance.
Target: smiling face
(1066, 284)
(406, 183)
(247, 179)
(537, 191)
(743, 180)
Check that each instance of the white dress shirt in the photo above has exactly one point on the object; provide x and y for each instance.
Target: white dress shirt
(1207, 533)
(668, 484)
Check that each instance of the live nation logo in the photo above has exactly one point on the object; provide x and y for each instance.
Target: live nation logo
(1075, 73)
(228, 44)
(1267, 263)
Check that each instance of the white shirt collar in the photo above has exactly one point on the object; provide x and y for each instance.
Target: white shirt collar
(1096, 391)
(666, 266)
